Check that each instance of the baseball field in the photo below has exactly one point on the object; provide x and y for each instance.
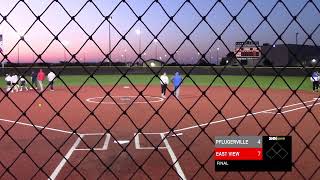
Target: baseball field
(111, 127)
(263, 82)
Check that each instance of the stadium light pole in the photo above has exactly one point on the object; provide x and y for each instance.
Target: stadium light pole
(177, 55)
(125, 55)
(65, 43)
(18, 53)
(156, 43)
(217, 55)
(20, 36)
(138, 32)
(1, 49)
(110, 39)
(297, 38)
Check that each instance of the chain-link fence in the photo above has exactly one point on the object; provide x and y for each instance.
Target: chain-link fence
(103, 115)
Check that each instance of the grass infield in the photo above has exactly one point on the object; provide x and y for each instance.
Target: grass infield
(285, 82)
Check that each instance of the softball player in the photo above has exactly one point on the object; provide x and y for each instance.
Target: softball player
(177, 81)
(164, 81)
(14, 82)
(315, 81)
(51, 77)
(34, 82)
(40, 77)
(23, 83)
(8, 82)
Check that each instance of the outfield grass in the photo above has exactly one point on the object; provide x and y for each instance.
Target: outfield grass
(201, 80)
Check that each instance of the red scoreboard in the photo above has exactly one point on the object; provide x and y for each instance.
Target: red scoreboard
(253, 153)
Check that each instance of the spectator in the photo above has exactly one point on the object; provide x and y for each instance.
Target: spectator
(51, 77)
(40, 77)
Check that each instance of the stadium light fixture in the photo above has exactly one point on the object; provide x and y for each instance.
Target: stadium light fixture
(138, 32)
(109, 26)
(313, 61)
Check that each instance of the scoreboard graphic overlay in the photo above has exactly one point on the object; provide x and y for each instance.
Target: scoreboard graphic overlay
(253, 153)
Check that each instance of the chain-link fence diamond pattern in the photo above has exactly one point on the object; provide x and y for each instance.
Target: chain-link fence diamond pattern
(110, 122)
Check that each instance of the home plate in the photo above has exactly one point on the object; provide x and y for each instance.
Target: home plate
(126, 87)
(121, 142)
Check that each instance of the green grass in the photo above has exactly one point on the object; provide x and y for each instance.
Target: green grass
(201, 80)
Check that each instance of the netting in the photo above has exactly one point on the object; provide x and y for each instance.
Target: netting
(105, 116)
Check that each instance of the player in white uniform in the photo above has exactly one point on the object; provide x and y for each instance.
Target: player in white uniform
(23, 83)
(14, 82)
(164, 81)
(315, 81)
(51, 77)
(8, 82)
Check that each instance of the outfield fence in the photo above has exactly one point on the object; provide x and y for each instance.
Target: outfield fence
(192, 70)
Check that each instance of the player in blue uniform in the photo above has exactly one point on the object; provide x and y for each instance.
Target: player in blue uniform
(177, 81)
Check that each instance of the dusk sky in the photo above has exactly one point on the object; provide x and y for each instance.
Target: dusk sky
(89, 18)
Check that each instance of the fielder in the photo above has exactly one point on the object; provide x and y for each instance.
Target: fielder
(177, 81)
(315, 81)
(164, 81)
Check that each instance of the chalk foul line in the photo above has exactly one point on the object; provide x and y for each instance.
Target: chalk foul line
(251, 114)
(36, 126)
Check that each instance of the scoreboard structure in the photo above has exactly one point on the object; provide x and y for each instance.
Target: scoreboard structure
(248, 52)
(253, 153)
